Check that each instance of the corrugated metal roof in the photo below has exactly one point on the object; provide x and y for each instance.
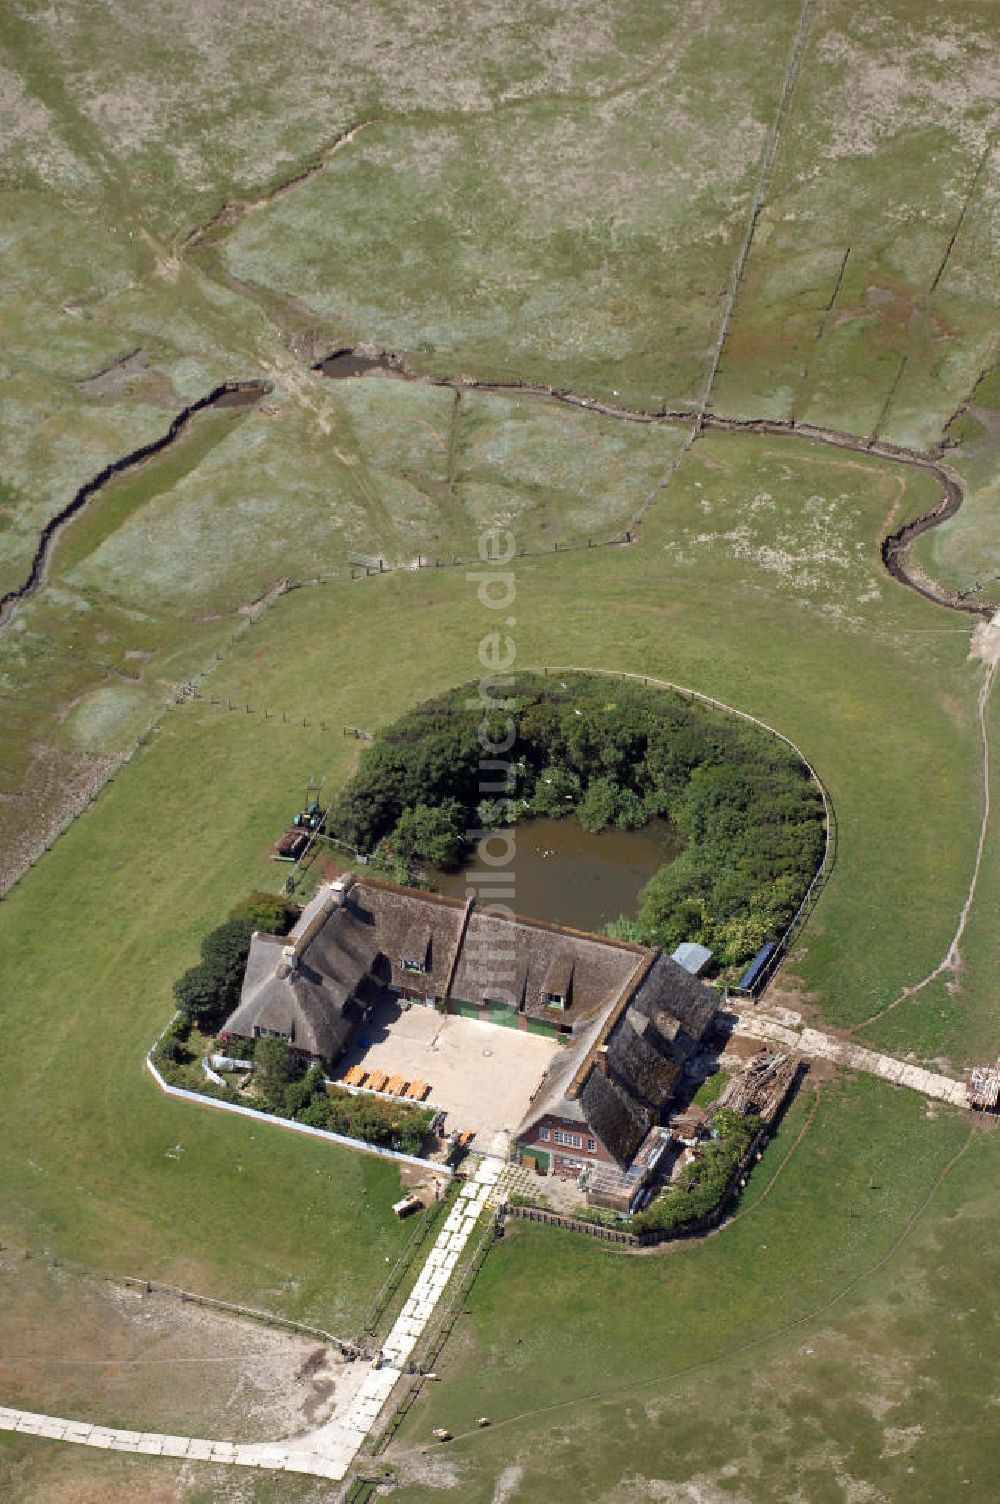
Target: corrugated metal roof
(757, 966)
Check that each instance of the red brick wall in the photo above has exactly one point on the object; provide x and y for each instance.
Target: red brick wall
(557, 1151)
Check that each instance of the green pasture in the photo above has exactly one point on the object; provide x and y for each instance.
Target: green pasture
(97, 1164)
(802, 1351)
(94, 935)
(554, 194)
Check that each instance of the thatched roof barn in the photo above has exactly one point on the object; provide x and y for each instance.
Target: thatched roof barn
(616, 1081)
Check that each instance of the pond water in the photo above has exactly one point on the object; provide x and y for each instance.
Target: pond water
(343, 364)
(564, 874)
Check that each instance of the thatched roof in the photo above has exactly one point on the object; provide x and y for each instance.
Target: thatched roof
(508, 958)
(642, 1060)
(407, 924)
(615, 1116)
(619, 1075)
(298, 1001)
(635, 1016)
(677, 1004)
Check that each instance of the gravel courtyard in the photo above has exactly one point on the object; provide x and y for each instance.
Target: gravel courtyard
(481, 1074)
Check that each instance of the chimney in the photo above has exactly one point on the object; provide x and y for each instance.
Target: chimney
(601, 1060)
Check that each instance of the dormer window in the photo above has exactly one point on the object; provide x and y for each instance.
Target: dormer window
(416, 949)
(557, 986)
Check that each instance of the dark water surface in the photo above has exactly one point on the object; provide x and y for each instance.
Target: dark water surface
(345, 363)
(564, 874)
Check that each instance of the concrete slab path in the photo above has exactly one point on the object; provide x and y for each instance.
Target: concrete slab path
(328, 1451)
(812, 1043)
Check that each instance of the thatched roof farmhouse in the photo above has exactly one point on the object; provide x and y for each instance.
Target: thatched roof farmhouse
(629, 1016)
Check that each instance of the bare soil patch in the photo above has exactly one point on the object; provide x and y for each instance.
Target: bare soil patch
(75, 1345)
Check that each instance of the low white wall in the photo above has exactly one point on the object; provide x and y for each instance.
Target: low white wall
(266, 1117)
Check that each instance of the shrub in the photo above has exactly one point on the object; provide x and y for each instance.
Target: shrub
(235, 1046)
(277, 1068)
(706, 1180)
(431, 833)
(271, 912)
(394, 1125)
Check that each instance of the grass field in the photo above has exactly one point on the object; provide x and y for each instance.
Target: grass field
(801, 1352)
(556, 196)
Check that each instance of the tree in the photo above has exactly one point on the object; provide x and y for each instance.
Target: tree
(599, 805)
(224, 952)
(301, 1094)
(433, 834)
(276, 1068)
(225, 948)
(197, 995)
(631, 813)
(556, 792)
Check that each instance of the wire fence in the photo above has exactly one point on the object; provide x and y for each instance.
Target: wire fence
(147, 1285)
(436, 1334)
(364, 566)
(426, 1224)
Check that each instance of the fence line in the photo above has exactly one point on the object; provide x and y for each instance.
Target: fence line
(436, 1334)
(182, 693)
(382, 567)
(291, 1124)
(404, 1261)
(822, 872)
(149, 1286)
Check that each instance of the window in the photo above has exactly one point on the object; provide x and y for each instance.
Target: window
(543, 1134)
(413, 965)
(591, 1145)
(553, 1000)
(570, 1140)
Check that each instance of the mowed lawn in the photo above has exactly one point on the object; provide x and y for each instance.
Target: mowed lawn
(97, 1165)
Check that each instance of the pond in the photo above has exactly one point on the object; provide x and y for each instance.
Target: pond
(566, 875)
(343, 364)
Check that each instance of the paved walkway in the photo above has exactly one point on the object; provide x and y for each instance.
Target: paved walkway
(328, 1451)
(810, 1042)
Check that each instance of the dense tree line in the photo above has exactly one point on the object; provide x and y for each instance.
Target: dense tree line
(614, 754)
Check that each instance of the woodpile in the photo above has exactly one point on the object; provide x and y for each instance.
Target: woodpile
(983, 1087)
(763, 1086)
